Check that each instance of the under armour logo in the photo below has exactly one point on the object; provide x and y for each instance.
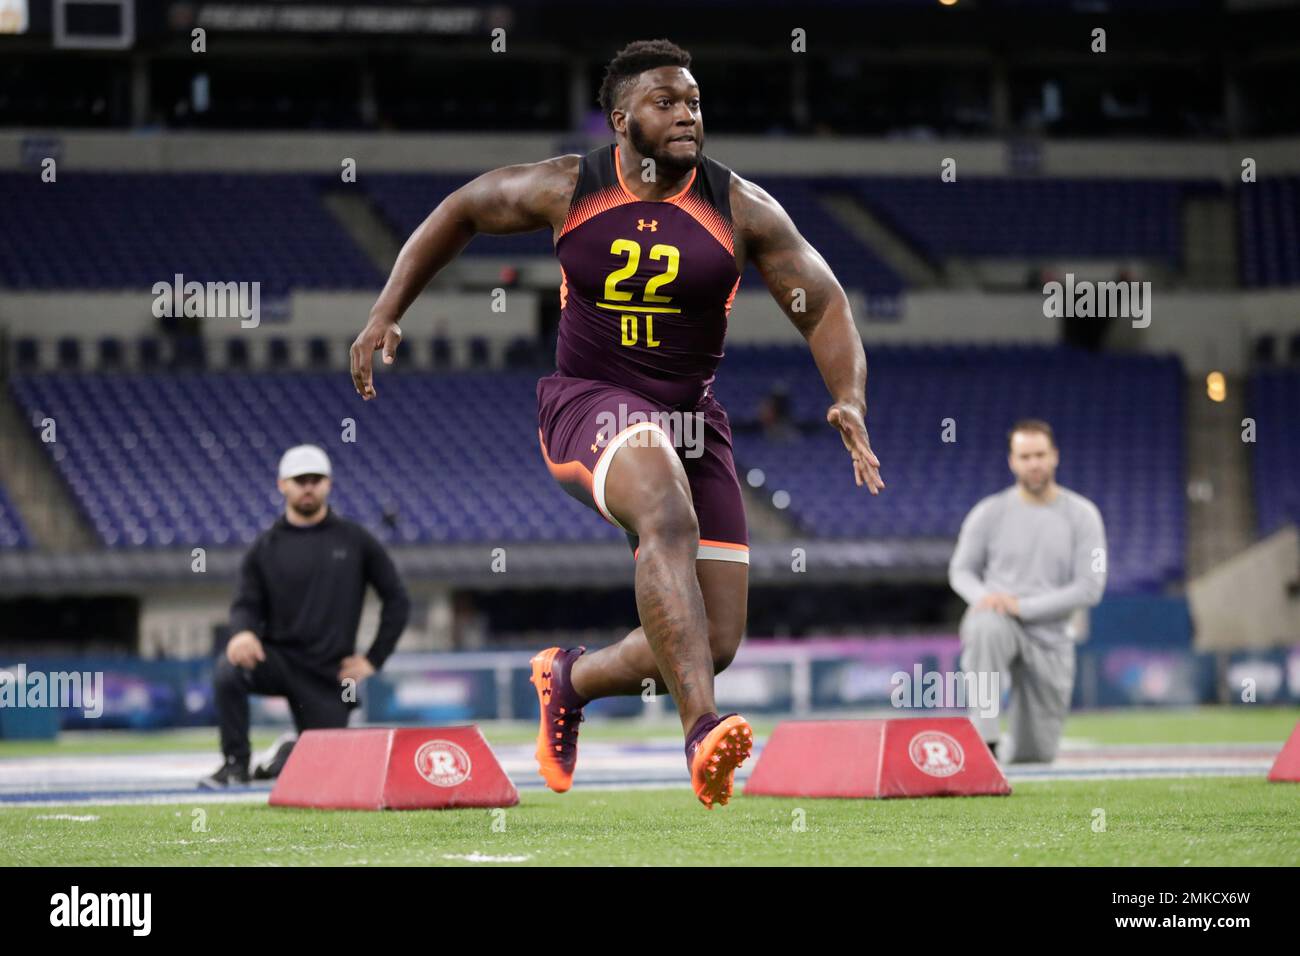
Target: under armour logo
(340, 554)
(652, 225)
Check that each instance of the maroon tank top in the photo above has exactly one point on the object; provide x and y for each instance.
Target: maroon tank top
(646, 286)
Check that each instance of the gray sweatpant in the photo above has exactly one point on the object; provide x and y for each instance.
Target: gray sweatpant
(1041, 677)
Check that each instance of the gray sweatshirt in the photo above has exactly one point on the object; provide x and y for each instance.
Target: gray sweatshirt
(1050, 556)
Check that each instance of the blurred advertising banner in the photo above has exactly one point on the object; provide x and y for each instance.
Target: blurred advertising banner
(339, 16)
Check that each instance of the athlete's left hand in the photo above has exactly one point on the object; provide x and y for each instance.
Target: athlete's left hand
(866, 466)
(378, 334)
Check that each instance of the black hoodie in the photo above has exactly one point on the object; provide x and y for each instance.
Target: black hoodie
(301, 590)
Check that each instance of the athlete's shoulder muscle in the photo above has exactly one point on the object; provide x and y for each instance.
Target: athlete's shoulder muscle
(520, 198)
(759, 222)
(767, 236)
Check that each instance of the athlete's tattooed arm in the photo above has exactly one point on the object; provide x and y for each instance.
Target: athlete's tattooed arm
(511, 199)
(806, 289)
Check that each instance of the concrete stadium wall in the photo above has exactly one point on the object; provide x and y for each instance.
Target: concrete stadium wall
(1207, 330)
(91, 315)
(1259, 578)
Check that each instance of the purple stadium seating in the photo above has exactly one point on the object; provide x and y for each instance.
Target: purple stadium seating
(1274, 398)
(167, 460)
(130, 230)
(855, 265)
(1269, 221)
(987, 216)
(404, 200)
(13, 533)
(1118, 422)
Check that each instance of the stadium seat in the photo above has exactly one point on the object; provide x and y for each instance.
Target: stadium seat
(318, 353)
(277, 353)
(27, 354)
(1265, 349)
(480, 352)
(149, 352)
(521, 352)
(237, 353)
(189, 351)
(441, 352)
(111, 354)
(69, 354)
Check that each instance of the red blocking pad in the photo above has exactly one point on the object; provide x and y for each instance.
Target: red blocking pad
(1287, 765)
(903, 757)
(390, 768)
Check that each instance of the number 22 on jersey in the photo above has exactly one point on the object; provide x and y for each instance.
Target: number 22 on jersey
(653, 302)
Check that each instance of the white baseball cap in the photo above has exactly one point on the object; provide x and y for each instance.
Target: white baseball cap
(304, 460)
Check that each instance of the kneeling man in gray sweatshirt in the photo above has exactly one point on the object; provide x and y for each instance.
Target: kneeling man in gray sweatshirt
(1026, 559)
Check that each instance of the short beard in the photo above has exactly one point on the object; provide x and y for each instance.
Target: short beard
(662, 160)
(308, 511)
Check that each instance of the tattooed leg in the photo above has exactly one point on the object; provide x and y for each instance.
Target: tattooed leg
(629, 666)
(647, 491)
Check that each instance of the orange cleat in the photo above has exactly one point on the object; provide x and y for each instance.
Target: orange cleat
(561, 714)
(713, 764)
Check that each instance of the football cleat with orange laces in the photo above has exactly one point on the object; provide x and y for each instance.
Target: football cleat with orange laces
(714, 752)
(560, 717)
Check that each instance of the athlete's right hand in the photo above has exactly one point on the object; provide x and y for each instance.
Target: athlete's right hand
(378, 334)
(245, 650)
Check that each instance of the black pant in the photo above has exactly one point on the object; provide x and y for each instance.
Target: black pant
(315, 700)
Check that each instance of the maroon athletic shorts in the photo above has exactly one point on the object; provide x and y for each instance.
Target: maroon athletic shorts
(583, 423)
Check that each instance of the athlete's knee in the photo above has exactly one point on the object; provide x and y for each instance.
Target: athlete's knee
(668, 518)
(723, 645)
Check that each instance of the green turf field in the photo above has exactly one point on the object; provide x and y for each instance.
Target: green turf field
(1239, 821)
(1200, 822)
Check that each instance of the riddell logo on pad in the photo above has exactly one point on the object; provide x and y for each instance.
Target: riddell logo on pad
(442, 763)
(936, 754)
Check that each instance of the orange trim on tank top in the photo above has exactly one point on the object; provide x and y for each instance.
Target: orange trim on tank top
(618, 169)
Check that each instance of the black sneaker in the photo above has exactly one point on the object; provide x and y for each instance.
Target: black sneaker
(273, 761)
(232, 772)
